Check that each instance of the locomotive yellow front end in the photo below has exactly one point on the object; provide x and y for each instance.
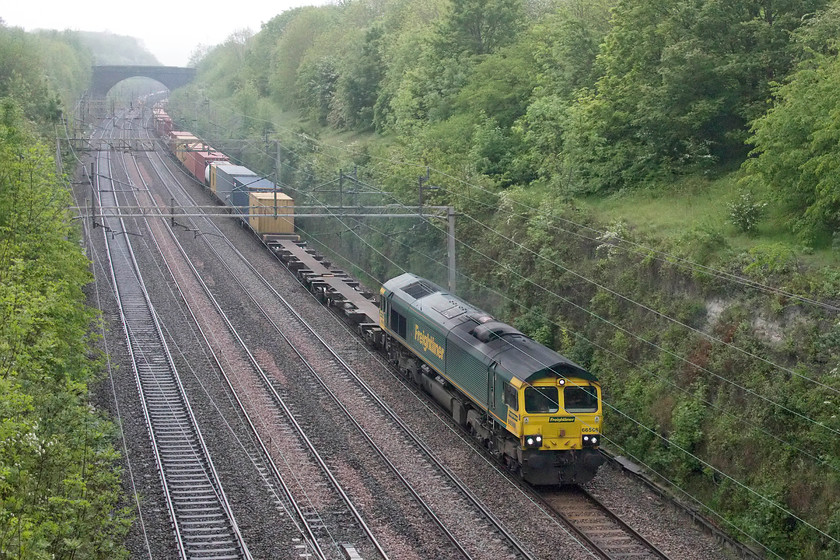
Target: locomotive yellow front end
(558, 423)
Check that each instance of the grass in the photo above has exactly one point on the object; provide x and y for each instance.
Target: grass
(659, 211)
(696, 203)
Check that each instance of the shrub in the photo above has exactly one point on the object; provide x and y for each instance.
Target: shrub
(746, 212)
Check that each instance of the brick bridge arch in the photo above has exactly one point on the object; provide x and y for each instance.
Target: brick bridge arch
(106, 77)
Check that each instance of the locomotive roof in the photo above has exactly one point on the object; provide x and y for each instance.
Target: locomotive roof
(468, 326)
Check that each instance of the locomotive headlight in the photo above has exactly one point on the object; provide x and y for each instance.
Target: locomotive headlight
(597, 419)
(533, 441)
(590, 440)
(562, 382)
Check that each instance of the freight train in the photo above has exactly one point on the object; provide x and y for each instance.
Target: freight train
(261, 205)
(534, 410)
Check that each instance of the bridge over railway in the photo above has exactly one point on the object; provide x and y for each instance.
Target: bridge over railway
(106, 77)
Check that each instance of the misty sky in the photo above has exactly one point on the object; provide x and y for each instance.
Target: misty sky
(169, 30)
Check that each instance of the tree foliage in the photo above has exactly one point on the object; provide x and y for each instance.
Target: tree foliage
(681, 80)
(796, 157)
(478, 27)
(58, 483)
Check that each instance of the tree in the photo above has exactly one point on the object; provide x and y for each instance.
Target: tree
(298, 36)
(358, 87)
(477, 27)
(316, 83)
(796, 148)
(681, 80)
(500, 86)
(59, 486)
(564, 47)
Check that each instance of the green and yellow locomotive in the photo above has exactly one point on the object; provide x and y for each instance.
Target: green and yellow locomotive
(534, 409)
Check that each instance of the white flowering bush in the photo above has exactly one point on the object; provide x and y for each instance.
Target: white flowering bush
(746, 212)
(611, 239)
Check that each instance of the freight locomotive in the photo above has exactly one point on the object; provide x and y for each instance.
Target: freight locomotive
(532, 408)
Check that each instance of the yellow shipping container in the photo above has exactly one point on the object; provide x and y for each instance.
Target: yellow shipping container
(177, 139)
(261, 210)
(182, 149)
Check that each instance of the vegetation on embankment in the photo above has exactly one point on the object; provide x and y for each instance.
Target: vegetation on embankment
(59, 477)
(648, 186)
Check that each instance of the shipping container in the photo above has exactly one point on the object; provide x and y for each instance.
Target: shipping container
(244, 185)
(197, 162)
(177, 137)
(165, 127)
(210, 174)
(262, 212)
(162, 123)
(222, 180)
(183, 149)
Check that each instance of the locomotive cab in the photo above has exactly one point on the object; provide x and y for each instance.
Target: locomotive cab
(557, 421)
(556, 413)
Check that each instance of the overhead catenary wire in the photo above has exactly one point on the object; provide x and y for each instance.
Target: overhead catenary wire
(604, 349)
(723, 378)
(598, 234)
(748, 283)
(740, 484)
(648, 342)
(723, 474)
(695, 330)
(649, 309)
(712, 467)
(654, 345)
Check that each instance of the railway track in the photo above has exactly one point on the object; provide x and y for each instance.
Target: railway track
(604, 531)
(469, 506)
(202, 520)
(313, 540)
